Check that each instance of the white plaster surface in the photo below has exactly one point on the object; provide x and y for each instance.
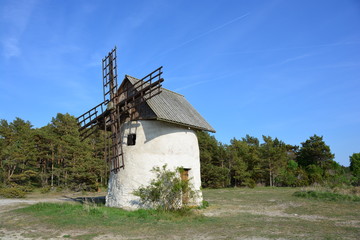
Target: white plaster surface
(157, 143)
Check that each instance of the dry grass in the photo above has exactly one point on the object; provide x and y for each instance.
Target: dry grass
(260, 213)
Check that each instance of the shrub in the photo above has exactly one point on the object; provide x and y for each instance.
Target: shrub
(250, 183)
(12, 192)
(204, 204)
(45, 189)
(165, 192)
(329, 196)
(26, 188)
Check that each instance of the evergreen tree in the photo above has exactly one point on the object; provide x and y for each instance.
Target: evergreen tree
(241, 174)
(74, 157)
(214, 172)
(249, 151)
(55, 156)
(355, 167)
(18, 158)
(98, 162)
(274, 157)
(47, 141)
(314, 151)
(243, 158)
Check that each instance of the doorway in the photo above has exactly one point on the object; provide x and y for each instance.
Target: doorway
(184, 174)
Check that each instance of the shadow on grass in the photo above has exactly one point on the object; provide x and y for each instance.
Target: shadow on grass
(83, 200)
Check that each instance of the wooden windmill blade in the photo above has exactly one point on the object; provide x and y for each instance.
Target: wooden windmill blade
(116, 104)
(109, 68)
(113, 151)
(142, 90)
(92, 119)
(125, 101)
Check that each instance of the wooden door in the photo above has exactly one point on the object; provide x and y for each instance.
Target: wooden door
(185, 177)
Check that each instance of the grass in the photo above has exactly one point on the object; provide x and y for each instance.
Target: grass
(90, 215)
(267, 213)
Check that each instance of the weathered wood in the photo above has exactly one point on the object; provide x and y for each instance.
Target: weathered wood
(119, 105)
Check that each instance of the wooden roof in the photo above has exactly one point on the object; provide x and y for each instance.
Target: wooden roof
(172, 107)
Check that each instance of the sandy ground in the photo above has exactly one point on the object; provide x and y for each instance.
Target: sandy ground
(8, 204)
(277, 210)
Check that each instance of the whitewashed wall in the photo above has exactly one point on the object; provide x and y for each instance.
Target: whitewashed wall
(157, 143)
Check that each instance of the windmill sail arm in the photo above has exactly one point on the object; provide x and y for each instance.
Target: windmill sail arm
(150, 75)
(145, 92)
(92, 117)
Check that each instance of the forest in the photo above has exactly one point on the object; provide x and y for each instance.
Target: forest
(54, 157)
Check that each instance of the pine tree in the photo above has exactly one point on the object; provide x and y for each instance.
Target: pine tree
(355, 167)
(18, 159)
(314, 151)
(214, 172)
(274, 157)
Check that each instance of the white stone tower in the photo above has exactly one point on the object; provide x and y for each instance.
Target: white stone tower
(165, 133)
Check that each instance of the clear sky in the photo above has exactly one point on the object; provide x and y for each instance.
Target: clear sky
(287, 69)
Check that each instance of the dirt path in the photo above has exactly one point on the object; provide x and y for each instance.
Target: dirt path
(8, 204)
(12, 203)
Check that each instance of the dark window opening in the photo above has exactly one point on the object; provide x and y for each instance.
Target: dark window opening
(131, 139)
(184, 174)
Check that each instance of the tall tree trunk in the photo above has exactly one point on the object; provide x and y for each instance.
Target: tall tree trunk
(270, 174)
(52, 169)
(11, 172)
(52, 165)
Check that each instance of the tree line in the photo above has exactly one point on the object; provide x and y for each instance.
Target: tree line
(55, 157)
(247, 162)
(52, 156)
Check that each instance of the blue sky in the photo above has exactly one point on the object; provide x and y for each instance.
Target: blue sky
(286, 69)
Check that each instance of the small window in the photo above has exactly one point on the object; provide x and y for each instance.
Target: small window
(131, 139)
(184, 174)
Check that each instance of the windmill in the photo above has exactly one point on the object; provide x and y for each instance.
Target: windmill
(117, 107)
(147, 126)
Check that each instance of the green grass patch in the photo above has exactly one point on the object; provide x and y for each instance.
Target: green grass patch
(327, 196)
(94, 215)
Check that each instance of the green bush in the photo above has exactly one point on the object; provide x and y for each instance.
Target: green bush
(250, 183)
(204, 204)
(328, 196)
(45, 189)
(12, 192)
(60, 189)
(26, 188)
(165, 192)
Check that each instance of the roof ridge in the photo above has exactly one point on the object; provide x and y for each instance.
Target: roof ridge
(126, 75)
(173, 92)
(172, 107)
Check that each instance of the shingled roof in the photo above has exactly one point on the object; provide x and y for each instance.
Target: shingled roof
(172, 107)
